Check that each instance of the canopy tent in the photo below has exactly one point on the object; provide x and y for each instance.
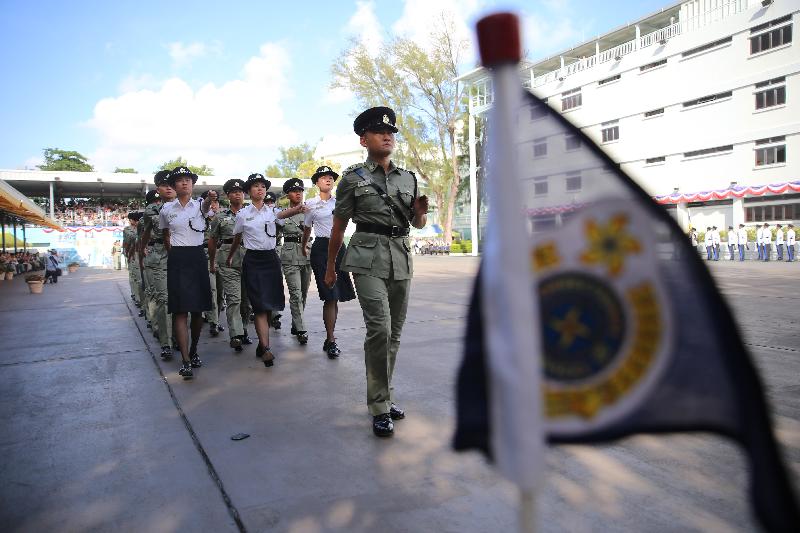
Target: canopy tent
(15, 204)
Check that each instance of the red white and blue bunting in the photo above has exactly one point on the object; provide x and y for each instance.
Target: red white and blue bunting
(731, 192)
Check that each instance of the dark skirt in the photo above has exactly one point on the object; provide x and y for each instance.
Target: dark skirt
(263, 278)
(188, 286)
(343, 288)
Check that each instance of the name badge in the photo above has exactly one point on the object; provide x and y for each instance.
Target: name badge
(250, 219)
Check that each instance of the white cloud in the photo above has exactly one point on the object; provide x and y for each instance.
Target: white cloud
(183, 54)
(364, 26)
(421, 17)
(232, 127)
(547, 35)
(337, 95)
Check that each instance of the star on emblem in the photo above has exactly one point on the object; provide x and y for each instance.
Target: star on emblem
(570, 328)
(609, 244)
(545, 256)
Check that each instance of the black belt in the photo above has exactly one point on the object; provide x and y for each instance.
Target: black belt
(155, 241)
(380, 229)
(292, 238)
(227, 241)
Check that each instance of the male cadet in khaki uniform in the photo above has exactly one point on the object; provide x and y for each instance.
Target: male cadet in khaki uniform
(296, 265)
(212, 316)
(220, 238)
(382, 200)
(131, 256)
(154, 261)
(270, 200)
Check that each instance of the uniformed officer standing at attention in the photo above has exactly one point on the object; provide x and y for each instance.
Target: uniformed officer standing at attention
(760, 242)
(270, 200)
(779, 242)
(131, 257)
(212, 316)
(708, 240)
(766, 238)
(733, 238)
(183, 225)
(237, 308)
(790, 243)
(154, 261)
(742, 233)
(382, 199)
(296, 265)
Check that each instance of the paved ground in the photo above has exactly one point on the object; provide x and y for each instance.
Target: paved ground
(97, 434)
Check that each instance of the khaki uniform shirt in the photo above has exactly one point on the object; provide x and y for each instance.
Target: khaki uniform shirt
(128, 237)
(222, 230)
(152, 220)
(370, 253)
(291, 253)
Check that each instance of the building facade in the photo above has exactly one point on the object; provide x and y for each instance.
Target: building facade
(695, 102)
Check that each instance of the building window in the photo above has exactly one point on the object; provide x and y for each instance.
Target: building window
(543, 223)
(571, 99)
(654, 160)
(709, 151)
(538, 111)
(573, 142)
(654, 113)
(773, 154)
(773, 93)
(609, 80)
(574, 182)
(540, 186)
(767, 213)
(768, 36)
(610, 131)
(655, 64)
(540, 147)
(708, 46)
(708, 99)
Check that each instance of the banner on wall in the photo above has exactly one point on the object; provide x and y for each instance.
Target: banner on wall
(87, 246)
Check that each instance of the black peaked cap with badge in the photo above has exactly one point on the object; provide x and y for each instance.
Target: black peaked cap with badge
(152, 196)
(255, 178)
(178, 172)
(161, 178)
(294, 184)
(232, 184)
(375, 119)
(270, 197)
(135, 215)
(324, 171)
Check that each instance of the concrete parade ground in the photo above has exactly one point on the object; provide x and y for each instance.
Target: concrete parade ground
(99, 434)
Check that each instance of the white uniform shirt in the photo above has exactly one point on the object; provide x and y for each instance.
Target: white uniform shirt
(709, 238)
(779, 236)
(732, 237)
(320, 216)
(766, 236)
(742, 236)
(790, 237)
(176, 218)
(760, 235)
(715, 236)
(257, 226)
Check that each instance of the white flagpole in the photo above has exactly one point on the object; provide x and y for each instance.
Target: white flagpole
(508, 288)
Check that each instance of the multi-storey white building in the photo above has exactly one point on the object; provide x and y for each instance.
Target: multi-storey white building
(696, 102)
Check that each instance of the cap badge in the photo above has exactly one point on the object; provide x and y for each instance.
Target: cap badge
(386, 119)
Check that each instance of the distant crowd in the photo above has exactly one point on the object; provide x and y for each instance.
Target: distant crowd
(92, 212)
(760, 242)
(21, 262)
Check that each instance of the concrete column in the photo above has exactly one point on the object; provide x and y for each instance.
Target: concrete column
(52, 207)
(473, 180)
(562, 62)
(638, 36)
(682, 215)
(597, 52)
(737, 212)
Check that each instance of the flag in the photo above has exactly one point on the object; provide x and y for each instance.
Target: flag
(632, 333)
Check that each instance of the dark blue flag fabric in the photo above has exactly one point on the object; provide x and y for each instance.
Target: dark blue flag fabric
(635, 337)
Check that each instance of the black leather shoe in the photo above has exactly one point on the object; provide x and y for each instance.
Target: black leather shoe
(236, 344)
(333, 351)
(220, 327)
(269, 358)
(259, 351)
(252, 317)
(276, 322)
(214, 330)
(186, 371)
(382, 425)
(141, 312)
(166, 352)
(246, 338)
(195, 361)
(293, 330)
(149, 325)
(325, 346)
(396, 413)
(302, 337)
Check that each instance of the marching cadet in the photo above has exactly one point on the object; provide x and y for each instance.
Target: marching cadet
(146, 289)
(790, 243)
(237, 308)
(742, 233)
(320, 218)
(708, 240)
(131, 257)
(269, 200)
(766, 238)
(256, 227)
(760, 242)
(733, 238)
(153, 257)
(382, 199)
(296, 266)
(779, 242)
(212, 317)
(189, 291)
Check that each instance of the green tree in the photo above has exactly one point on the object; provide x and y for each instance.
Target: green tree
(67, 160)
(124, 171)
(288, 165)
(202, 170)
(419, 85)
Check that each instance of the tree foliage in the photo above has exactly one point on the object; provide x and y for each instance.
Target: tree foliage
(124, 171)
(65, 160)
(298, 162)
(418, 83)
(202, 170)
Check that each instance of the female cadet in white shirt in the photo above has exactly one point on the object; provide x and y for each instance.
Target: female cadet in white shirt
(188, 288)
(256, 225)
(319, 216)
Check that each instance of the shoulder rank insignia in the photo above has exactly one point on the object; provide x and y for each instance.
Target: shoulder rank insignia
(353, 167)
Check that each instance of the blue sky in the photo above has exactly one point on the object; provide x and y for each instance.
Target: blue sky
(132, 84)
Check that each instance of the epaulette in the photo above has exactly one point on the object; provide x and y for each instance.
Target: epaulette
(352, 168)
